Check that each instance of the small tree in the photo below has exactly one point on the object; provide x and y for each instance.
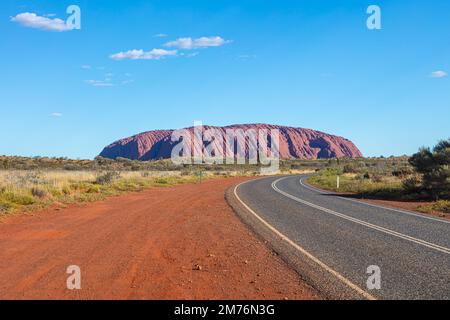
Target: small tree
(434, 166)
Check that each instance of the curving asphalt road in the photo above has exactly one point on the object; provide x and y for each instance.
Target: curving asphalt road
(331, 241)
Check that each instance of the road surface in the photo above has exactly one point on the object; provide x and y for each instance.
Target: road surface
(332, 241)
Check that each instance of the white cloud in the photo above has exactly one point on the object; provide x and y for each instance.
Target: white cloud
(247, 56)
(125, 82)
(438, 74)
(100, 83)
(56, 115)
(32, 20)
(190, 55)
(203, 42)
(154, 54)
(86, 66)
(108, 81)
(160, 35)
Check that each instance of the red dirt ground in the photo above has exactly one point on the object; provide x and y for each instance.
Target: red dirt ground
(146, 245)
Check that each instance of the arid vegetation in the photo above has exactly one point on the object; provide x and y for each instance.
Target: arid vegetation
(423, 177)
(33, 189)
(373, 177)
(123, 164)
(32, 183)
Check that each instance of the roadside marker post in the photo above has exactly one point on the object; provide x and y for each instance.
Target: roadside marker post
(338, 182)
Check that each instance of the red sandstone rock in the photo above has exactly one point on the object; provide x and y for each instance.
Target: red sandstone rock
(294, 143)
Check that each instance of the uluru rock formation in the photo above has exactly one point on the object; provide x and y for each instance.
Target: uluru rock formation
(296, 143)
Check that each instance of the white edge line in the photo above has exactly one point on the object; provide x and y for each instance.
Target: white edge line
(303, 251)
(374, 205)
(363, 223)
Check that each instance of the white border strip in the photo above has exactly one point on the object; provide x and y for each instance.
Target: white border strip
(303, 251)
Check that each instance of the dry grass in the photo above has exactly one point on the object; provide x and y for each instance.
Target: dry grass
(389, 187)
(442, 206)
(33, 183)
(29, 190)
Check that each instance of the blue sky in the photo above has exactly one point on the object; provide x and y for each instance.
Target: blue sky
(311, 64)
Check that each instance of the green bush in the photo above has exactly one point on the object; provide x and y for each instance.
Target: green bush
(434, 167)
(412, 185)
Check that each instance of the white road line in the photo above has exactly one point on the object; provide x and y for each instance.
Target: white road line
(303, 251)
(361, 222)
(374, 205)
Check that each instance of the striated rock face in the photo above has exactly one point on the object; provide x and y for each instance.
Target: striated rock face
(294, 143)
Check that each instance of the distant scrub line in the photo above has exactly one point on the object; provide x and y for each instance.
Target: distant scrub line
(123, 164)
(34, 183)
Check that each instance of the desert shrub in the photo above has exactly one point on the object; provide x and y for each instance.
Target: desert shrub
(412, 184)
(161, 181)
(434, 167)
(331, 172)
(5, 206)
(127, 185)
(19, 198)
(71, 167)
(376, 177)
(107, 177)
(402, 172)
(29, 178)
(55, 192)
(93, 189)
(440, 206)
(135, 167)
(66, 190)
(350, 168)
(38, 192)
